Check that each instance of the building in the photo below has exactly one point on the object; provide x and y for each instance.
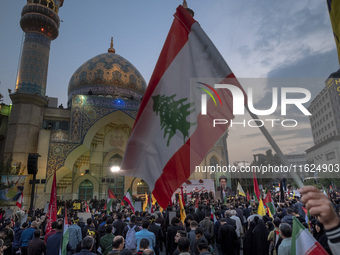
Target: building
(83, 142)
(325, 124)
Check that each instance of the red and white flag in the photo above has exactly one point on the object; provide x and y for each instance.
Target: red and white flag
(170, 135)
(20, 200)
(52, 207)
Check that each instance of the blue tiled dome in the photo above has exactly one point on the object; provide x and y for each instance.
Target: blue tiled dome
(107, 74)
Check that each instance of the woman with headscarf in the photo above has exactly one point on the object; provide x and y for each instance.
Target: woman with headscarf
(320, 236)
(248, 242)
(261, 243)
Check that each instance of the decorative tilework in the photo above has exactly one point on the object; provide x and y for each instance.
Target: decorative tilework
(59, 136)
(32, 75)
(57, 154)
(105, 70)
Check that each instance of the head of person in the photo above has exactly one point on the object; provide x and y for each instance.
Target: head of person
(118, 243)
(183, 245)
(285, 230)
(54, 225)
(87, 243)
(207, 214)
(277, 222)
(179, 234)
(175, 221)
(133, 219)
(227, 214)
(193, 225)
(145, 224)
(199, 232)
(148, 252)
(223, 221)
(202, 245)
(37, 233)
(34, 224)
(108, 229)
(126, 252)
(319, 227)
(89, 221)
(223, 181)
(144, 244)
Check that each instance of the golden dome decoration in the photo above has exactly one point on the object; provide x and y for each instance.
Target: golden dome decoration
(111, 49)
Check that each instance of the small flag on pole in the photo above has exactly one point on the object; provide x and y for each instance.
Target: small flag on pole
(240, 190)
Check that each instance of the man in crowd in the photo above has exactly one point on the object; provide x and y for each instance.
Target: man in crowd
(117, 245)
(36, 246)
(144, 233)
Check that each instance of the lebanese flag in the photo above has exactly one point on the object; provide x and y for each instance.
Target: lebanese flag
(20, 201)
(52, 207)
(303, 242)
(129, 200)
(170, 135)
(256, 187)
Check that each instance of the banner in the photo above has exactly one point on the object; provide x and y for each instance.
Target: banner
(11, 188)
(192, 186)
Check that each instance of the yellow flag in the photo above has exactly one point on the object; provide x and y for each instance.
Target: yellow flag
(161, 209)
(59, 211)
(334, 14)
(181, 209)
(145, 204)
(240, 190)
(153, 199)
(260, 209)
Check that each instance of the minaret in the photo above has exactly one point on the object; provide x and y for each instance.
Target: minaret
(40, 22)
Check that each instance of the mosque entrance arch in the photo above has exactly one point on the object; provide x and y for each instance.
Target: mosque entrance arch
(85, 190)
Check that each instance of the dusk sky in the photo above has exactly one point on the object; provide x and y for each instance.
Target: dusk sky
(258, 39)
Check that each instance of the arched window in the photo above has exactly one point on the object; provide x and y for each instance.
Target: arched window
(213, 162)
(85, 190)
(142, 187)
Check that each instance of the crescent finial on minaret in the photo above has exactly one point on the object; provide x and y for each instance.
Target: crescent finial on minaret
(111, 49)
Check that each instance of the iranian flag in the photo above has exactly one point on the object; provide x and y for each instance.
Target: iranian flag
(268, 201)
(20, 201)
(170, 135)
(129, 200)
(303, 242)
(52, 207)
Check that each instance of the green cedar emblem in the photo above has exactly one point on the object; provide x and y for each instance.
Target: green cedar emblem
(173, 115)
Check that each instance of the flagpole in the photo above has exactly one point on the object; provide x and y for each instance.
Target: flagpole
(276, 148)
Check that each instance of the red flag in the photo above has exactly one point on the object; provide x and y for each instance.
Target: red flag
(170, 135)
(256, 187)
(248, 196)
(52, 207)
(87, 207)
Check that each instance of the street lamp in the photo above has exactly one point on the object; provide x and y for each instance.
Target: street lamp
(115, 169)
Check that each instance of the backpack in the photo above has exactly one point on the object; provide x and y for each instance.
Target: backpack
(130, 240)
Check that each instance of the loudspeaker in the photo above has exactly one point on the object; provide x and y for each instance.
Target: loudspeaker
(32, 163)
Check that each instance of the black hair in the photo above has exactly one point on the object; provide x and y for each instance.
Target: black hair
(108, 229)
(144, 243)
(183, 244)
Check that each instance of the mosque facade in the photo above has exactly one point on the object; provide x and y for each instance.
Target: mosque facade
(83, 142)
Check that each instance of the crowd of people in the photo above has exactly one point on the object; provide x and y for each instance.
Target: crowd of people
(214, 227)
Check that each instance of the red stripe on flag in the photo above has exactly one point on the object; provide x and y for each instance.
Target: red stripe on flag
(176, 39)
(177, 169)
